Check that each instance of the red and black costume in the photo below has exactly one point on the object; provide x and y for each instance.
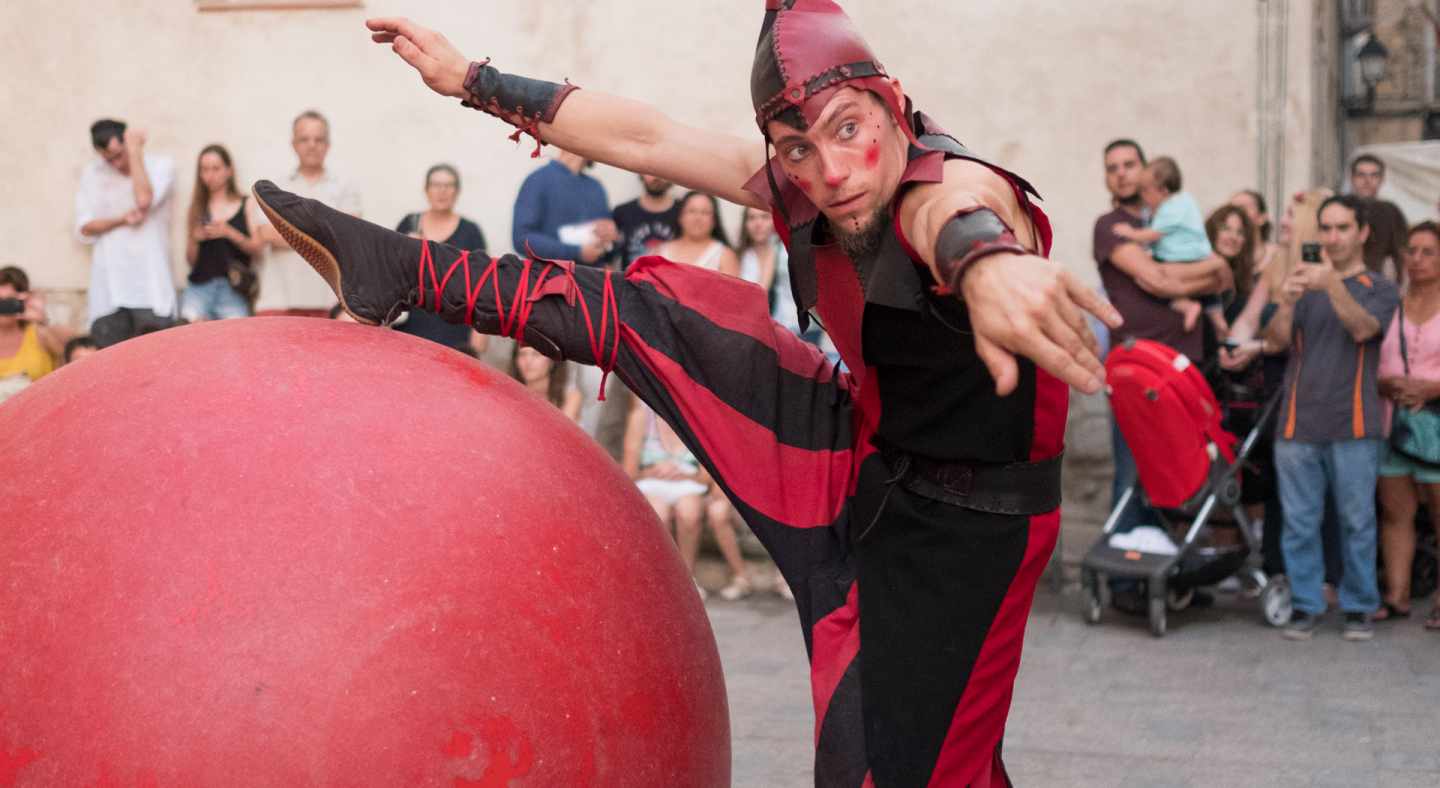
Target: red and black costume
(910, 508)
(953, 507)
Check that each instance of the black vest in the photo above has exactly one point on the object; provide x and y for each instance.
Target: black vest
(937, 397)
(895, 281)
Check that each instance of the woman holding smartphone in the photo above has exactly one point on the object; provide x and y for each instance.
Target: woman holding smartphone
(220, 242)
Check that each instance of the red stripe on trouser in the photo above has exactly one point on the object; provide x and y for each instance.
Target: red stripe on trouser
(836, 639)
(1052, 406)
(967, 757)
(745, 455)
(735, 305)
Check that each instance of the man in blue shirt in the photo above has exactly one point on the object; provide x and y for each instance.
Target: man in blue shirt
(562, 214)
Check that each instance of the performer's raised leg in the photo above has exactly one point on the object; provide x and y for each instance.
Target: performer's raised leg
(765, 412)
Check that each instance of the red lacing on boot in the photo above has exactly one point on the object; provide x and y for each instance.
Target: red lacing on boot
(522, 302)
(609, 313)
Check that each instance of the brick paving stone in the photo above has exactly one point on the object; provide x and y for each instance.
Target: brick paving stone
(1221, 700)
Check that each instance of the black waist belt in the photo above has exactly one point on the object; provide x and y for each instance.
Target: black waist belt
(1011, 488)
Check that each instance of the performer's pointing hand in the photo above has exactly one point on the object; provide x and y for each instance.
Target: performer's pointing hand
(440, 64)
(1026, 305)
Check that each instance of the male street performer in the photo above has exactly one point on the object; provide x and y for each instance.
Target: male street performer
(912, 502)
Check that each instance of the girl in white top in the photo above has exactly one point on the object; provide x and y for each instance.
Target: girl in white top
(670, 478)
(702, 238)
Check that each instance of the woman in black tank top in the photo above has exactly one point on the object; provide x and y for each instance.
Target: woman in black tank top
(219, 242)
(442, 223)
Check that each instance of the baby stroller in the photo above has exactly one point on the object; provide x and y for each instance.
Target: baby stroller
(1188, 466)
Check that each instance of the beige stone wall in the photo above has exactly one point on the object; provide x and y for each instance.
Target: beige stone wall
(1040, 85)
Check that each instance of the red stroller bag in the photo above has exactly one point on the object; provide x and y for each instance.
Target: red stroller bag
(1169, 418)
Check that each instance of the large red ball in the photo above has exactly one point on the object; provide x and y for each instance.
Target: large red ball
(285, 551)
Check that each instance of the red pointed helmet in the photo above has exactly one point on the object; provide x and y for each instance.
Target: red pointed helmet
(807, 49)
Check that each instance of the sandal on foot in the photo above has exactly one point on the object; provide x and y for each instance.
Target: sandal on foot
(1432, 623)
(1389, 612)
(738, 589)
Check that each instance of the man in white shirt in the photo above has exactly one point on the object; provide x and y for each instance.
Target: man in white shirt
(288, 286)
(122, 209)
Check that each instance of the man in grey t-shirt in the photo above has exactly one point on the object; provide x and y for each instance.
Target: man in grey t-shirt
(1332, 314)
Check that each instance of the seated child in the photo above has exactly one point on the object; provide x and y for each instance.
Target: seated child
(674, 483)
(1176, 234)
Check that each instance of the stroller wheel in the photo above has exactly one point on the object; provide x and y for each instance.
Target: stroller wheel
(1275, 601)
(1090, 585)
(1179, 600)
(1157, 616)
(1093, 607)
(1230, 491)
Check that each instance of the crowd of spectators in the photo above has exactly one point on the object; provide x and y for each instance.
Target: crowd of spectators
(1335, 309)
(1337, 315)
(239, 266)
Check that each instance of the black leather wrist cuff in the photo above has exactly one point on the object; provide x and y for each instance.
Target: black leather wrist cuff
(520, 101)
(970, 236)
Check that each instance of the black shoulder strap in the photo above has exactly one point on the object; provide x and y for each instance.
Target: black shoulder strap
(1404, 351)
(804, 287)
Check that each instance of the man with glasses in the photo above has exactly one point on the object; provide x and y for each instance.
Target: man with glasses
(121, 208)
(287, 284)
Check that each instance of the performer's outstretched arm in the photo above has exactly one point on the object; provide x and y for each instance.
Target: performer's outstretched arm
(1019, 306)
(621, 132)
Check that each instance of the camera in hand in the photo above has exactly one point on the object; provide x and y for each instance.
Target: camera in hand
(1310, 253)
(11, 306)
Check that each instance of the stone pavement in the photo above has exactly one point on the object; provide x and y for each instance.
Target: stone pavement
(1222, 700)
